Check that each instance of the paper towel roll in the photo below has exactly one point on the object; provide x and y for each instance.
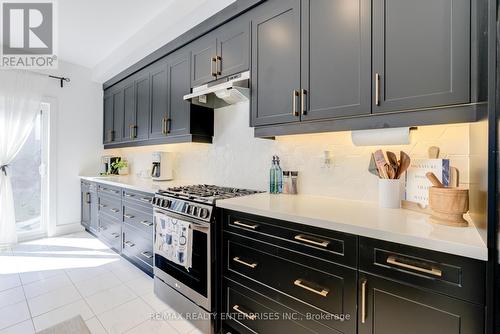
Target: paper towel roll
(392, 136)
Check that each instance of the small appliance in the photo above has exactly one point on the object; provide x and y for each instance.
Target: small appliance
(162, 166)
(107, 165)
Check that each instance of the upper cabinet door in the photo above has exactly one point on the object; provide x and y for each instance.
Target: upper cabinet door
(336, 60)
(118, 115)
(142, 96)
(178, 86)
(421, 53)
(233, 48)
(108, 119)
(204, 60)
(276, 63)
(130, 122)
(159, 103)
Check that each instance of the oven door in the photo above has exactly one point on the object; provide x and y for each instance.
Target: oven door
(193, 283)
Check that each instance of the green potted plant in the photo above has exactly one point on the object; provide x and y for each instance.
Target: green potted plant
(121, 166)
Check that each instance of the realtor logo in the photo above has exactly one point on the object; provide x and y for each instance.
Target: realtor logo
(28, 35)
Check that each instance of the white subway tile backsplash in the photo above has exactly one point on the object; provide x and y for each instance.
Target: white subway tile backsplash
(238, 159)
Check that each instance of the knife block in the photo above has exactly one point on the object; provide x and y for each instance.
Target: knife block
(449, 206)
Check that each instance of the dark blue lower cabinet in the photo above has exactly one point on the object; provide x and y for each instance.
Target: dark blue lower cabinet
(282, 277)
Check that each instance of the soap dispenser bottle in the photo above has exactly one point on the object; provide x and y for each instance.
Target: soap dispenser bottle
(272, 176)
(279, 176)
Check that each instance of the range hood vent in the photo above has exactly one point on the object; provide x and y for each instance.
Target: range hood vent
(222, 93)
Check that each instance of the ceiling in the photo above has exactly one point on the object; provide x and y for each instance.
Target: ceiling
(107, 36)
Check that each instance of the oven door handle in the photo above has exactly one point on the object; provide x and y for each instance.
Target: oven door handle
(202, 226)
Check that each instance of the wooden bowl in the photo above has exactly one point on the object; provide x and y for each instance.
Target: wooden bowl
(449, 205)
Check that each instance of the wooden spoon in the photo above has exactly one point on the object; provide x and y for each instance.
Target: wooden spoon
(404, 163)
(433, 152)
(393, 161)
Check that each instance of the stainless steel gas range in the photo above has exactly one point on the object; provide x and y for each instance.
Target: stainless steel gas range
(190, 291)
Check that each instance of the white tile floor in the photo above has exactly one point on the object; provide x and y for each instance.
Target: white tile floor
(47, 281)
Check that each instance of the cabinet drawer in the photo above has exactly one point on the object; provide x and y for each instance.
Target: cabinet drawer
(110, 206)
(110, 232)
(320, 287)
(138, 248)
(449, 274)
(328, 245)
(247, 311)
(139, 219)
(109, 190)
(136, 197)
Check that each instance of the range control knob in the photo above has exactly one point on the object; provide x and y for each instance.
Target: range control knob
(204, 213)
(196, 211)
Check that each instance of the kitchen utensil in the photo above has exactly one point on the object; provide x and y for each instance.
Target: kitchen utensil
(434, 180)
(372, 167)
(404, 163)
(433, 152)
(454, 177)
(393, 160)
(381, 164)
(391, 172)
(449, 206)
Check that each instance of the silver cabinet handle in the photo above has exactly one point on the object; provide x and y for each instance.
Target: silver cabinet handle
(147, 255)
(115, 235)
(303, 107)
(295, 94)
(102, 205)
(146, 223)
(87, 198)
(132, 128)
(146, 199)
(129, 243)
(247, 315)
(309, 240)
(432, 271)
(251, 226)
(240, 261)
(363, 301)
(212, 62)
(128, 216)
(219, 65)
(164, 126)
(301, 284)
(114, 210)
(377, 89)
(128, 195)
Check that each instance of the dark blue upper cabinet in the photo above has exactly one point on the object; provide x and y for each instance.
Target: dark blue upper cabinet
(159, 100)
(118, 115)
(108, 118)
(276, 63)
(336, 61)
(178, 86)
(222, 52)
(421, 53)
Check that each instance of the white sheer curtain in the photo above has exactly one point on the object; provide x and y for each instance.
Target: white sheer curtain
(20, 100)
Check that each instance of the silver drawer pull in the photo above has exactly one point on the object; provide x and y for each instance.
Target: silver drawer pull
(102, 205)
(146, 199)
(115, 210)
(147, 255)
(300, 283)
(129, 243)
(146, 223)
(251, 265)
(128, 216)
(128, 195)
(238, 223)
(310, 240)
(247, 315)
(432, 271)
(114, 191)
(115, 235)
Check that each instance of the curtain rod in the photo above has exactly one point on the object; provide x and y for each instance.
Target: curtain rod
(61, 79)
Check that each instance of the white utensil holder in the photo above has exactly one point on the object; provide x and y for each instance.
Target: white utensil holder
(389, 193)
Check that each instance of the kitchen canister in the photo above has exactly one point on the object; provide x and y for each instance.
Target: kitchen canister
(389, 193)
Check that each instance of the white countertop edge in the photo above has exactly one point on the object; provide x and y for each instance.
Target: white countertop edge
(469, 251)
(143, 188)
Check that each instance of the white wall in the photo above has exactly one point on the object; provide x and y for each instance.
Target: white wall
(76, 135)
(238, 159)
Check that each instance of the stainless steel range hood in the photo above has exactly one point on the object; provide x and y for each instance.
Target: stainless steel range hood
(223, 92)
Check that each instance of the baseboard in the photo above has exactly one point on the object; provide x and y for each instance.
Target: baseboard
(66, 229)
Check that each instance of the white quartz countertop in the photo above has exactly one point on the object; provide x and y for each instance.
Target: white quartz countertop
(364, 219)
(133, 183)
